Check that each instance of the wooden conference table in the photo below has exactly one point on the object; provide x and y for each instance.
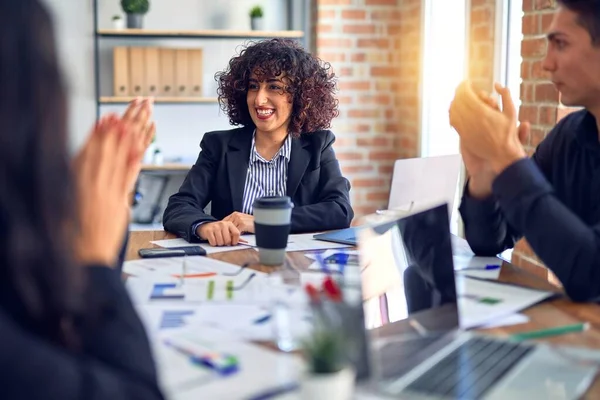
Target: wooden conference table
(548, 314)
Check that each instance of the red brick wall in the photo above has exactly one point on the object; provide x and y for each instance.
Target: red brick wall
(481, 43)
(539, 100)
(374, 47)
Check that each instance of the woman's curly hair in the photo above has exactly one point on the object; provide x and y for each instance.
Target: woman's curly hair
(311, 84)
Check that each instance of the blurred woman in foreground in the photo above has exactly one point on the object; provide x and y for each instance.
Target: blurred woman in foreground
(67, 326)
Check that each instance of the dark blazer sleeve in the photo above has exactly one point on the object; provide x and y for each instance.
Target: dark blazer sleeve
(486, 229)
(564, 242)
(332, 210)
(116, 361)
(186, 207)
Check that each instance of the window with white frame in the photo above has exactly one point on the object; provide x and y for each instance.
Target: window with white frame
(444, 67)
(509, 21)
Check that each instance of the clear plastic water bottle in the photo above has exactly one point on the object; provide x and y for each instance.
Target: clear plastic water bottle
(287, 310)
(283, 326)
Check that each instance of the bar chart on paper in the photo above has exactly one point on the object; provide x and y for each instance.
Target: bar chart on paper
(227, 290)
(174, 318)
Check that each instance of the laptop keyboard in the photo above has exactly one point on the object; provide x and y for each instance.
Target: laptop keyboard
(470, 370)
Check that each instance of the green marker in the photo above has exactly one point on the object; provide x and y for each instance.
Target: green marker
(543, 333)
(211, 290)
(229, 290)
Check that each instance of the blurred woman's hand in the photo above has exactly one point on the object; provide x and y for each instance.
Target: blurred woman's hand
(139, 124)
(103, 171)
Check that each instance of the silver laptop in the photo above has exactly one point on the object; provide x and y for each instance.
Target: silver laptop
(428, 356)
(415, 181)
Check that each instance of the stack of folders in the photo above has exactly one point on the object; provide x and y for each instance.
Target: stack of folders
(157, 72)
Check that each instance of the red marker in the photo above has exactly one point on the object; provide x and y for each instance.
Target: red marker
(312, 292)
(332, 289)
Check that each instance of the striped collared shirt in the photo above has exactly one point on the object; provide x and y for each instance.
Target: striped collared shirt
(266, 178)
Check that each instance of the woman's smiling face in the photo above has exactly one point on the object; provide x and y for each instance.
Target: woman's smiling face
(269, 104)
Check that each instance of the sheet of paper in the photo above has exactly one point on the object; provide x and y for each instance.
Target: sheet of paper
(247, 322)
(460, 247)
(240, 289)
(296, 242)
(476, 266)
(303, 242)
(253, 360)
(169, 243)
(481, 302)
(514, 319)
(229, 290)
(173, 267)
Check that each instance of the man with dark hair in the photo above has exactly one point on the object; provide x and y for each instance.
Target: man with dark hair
(588, 16)
(553, 198)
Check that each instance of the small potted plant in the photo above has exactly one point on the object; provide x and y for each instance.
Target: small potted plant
(329, 375)
(256, 18)
(118, 22)
(135, 10)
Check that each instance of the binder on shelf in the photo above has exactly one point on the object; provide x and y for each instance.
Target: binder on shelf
(182, 74)
(120, 71)
(167, 72)
(136, 71)
(152, 71)
(195, 62)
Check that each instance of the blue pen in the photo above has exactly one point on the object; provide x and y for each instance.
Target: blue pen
(276, 391)
(262, 319)
(486, 268)
(341, 261)
(322, 264)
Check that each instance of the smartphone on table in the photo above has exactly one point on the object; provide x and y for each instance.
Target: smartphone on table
(172, 252)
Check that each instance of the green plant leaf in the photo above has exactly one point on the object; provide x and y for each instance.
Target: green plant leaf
(256, 12)
(325, 351)
(135, 6)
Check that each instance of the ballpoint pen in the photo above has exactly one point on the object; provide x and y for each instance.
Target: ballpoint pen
(275, 391)
(488, 267)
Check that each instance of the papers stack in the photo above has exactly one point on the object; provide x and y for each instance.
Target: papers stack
(297, 242)
(482, 302)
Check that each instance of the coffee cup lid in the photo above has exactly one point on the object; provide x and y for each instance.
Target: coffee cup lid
(273, 202)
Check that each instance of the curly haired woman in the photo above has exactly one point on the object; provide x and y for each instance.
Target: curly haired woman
(283, 99)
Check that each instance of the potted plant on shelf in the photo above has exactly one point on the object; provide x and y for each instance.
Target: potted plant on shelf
(256, 18)
(135, 10)
(118, 22)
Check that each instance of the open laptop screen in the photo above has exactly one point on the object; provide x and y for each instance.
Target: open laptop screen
(409, 261)
(408, 273)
